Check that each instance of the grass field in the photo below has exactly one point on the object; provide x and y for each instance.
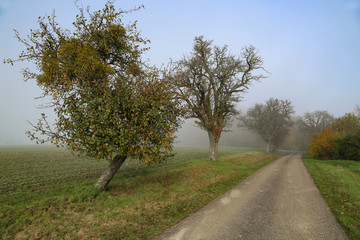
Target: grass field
(339, 183)
(47, 193)
(40, 168)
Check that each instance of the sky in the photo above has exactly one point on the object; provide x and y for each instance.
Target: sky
(311, 48)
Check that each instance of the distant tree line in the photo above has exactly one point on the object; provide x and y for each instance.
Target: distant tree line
(304, 126)
(318, 132)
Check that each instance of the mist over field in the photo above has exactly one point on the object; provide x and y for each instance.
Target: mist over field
(191, 135)
(188, 136)
(310, 49)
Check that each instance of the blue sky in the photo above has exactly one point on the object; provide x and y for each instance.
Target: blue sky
(310, 47)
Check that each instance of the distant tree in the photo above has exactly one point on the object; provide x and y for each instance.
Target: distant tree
(272, 121)
(347, 125)
(211, 81)
(297, 139)
(357, 110)
(348, 144)
(108, 103)
(316, 121)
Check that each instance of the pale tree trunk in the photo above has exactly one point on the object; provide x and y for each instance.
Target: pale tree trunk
(268, 147)
(110, 171)
(213, 147)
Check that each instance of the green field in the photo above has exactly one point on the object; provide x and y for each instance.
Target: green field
(47, 193)
(40, 168)
(339, 183)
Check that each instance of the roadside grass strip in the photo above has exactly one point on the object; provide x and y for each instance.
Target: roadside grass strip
(339, 183)
(140, 203)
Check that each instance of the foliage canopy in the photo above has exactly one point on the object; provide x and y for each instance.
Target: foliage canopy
(107, 101)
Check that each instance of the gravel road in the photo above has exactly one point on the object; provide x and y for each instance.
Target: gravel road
(279, 201)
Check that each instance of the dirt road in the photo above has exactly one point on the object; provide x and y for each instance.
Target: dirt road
(279, 201)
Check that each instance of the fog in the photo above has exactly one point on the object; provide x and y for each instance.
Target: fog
(189, 135)
(310, 49)
(192, 136)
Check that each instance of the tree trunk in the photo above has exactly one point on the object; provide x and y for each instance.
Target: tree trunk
(110, 171)
(268, 147)
(274, 149)
(213, 147)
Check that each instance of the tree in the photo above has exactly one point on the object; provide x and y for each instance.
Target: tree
(272, 121)
(210, 82)
(347, 125)
(357, 110)
(348, 144)
(108, 103)
(297, 139)
(316, 121)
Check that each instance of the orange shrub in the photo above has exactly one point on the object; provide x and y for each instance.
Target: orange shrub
(323, 144)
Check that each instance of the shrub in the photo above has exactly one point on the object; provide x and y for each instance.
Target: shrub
(349, 147)
(323, 144)
(341, 141)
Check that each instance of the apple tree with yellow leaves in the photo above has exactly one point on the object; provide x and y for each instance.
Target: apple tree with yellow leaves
(108, 103)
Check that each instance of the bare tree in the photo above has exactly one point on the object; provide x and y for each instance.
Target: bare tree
(316, 121)
(211, 81)
(272, 121)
